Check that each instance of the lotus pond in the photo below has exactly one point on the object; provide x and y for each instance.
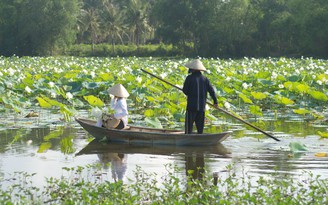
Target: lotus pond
(40, 97)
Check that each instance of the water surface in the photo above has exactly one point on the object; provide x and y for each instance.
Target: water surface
(44, 145)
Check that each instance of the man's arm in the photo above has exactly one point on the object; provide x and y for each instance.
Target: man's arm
(212, 93)
(185, 88)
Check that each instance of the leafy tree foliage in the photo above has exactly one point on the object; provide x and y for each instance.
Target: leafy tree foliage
(311, 22)
(245, 27)
(137, 19)
(36, 27)
(224, 28)
(214, 27)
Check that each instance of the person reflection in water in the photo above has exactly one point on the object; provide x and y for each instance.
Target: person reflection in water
(195, 166)
(116, 161)
(195, 169)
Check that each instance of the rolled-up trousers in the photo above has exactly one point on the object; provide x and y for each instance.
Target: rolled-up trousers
(197, 117)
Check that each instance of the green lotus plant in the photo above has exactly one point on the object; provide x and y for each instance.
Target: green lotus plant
(251, 86)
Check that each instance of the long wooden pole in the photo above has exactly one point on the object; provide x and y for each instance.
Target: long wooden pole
(222, 110)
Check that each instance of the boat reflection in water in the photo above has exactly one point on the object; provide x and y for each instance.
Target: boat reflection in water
(115, 155)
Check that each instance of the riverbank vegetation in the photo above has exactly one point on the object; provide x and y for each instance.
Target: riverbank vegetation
(106, 50)
(76, 188)
(211, 28)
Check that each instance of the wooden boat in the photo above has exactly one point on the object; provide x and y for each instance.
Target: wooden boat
(142, 135)
(96, 147)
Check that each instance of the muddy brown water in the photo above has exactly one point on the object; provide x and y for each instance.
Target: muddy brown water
(44, 145)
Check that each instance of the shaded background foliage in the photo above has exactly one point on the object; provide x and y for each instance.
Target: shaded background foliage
(208, 28)
(36, 27)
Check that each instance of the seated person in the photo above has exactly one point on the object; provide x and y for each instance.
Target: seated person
(119, 119)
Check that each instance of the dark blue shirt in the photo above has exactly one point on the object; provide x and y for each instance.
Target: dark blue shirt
(196, 87)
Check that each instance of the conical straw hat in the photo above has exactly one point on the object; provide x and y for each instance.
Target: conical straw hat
(119, 91)
(196, 65)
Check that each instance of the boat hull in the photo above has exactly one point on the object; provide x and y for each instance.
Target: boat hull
(142, 135)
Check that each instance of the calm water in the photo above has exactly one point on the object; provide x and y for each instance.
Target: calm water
(44, 145)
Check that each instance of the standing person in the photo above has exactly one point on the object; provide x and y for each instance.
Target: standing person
(195, 88)
(119, 119)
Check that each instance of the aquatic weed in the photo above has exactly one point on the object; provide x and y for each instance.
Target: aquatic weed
(87, 185)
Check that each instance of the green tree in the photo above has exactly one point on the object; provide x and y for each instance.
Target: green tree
(136, 13)
(112, 23)
(275, 27)
(91, 22)
(214, 28)
(173, 20)
(37, 27)
(232, 29)
(89, 25)
(8, 26)
(311, 25)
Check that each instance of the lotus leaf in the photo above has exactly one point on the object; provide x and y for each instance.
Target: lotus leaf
(301, 111)
(44, 147)
(283, 100)
(94, 101)
(228, 90)
(149, 113)
(43, 103)
(266, 82)
(28, 81)
(297, 147)
(259, 95)
(52, 102)
(302, 88)
(154, 122)
(245, 99)
(294, 78)
(150, 99)
(263, 75)
(106, 76)
(75, 86)
(211, 117)
(71, 74)
(66, 145)
(255, 110)
(289, 85)
(55, 134)
(319, 95)
(323, 134)
(91, 85)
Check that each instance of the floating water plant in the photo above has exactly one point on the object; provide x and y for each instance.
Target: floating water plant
(323, 134)
(77, 187)
(297, 147)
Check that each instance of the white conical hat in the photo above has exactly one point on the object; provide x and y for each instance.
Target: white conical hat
(196, 65)
(119, 91)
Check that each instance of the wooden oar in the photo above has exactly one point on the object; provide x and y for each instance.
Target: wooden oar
(222, 110)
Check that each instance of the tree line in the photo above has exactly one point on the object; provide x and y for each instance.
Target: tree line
(209, 28)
